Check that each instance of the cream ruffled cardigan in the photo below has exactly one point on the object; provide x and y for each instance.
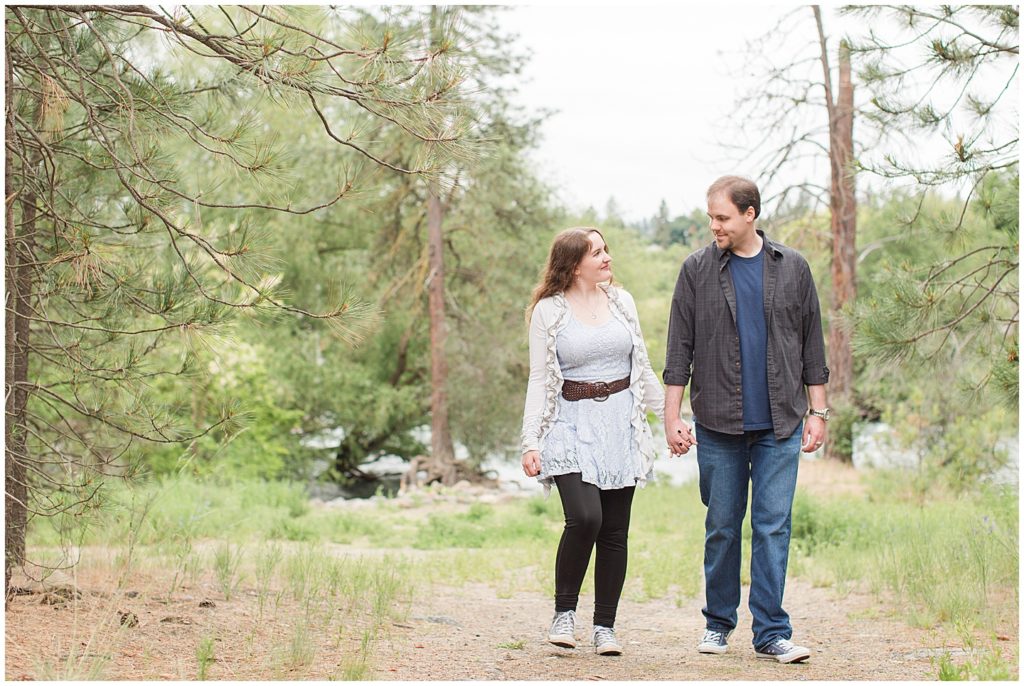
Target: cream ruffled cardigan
(550, 316)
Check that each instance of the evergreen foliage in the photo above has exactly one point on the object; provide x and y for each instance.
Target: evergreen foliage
(149, 155)
(951, 72)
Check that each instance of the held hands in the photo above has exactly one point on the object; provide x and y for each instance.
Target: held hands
(814, 434)
(531, 463)
(679, 436)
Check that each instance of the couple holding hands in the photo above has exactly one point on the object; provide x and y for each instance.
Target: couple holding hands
(745, 334)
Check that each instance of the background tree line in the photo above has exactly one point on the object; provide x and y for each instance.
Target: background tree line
(223, 228)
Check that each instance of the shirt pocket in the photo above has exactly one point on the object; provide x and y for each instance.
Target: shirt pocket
(711, 318)
(788, 309)
(707, 325)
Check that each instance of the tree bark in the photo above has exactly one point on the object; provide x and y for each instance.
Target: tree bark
(18, 283)
(843, 209)
(441, 446)
(844, 229)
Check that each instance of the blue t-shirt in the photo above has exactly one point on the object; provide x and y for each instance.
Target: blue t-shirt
(748, 282)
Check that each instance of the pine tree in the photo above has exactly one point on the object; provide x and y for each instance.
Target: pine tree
(117, 260)
(951, 72)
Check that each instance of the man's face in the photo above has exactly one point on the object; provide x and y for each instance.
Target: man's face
(729, 226)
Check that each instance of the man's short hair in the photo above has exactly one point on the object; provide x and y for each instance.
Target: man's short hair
(741, 191)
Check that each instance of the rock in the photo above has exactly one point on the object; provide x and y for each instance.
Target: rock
(207, 604)
(176, 620)
(441, 619)
(928, 653)
(66, 591)
(129, 619)
(50, 599)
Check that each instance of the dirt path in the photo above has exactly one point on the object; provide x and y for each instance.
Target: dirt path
(463, 633)
(469, 634)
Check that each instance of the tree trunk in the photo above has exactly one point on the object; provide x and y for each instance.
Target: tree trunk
(18, 282)
(441, 446)
(844, 262)
(843, 208)
(844, 228)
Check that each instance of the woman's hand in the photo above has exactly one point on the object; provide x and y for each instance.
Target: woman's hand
(679, 436)
(531, 463)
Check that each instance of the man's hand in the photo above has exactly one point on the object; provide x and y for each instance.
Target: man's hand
(678, 436)
(814, 434)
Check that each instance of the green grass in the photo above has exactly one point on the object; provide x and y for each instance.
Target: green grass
(77, 665)
(204, 657)
(356, 667)
(949, 560)
(226, 561)
(267, 560)
(666, 543)
(989, 666)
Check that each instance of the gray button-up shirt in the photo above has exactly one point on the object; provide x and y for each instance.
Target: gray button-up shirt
(704, 344)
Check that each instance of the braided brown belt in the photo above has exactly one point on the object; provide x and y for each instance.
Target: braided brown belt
(592, 390)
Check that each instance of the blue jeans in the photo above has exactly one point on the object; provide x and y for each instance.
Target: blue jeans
(727, 464)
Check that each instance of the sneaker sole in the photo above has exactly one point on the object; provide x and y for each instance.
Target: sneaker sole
(712, 650)
(609, 650)
(562, 641)
(785, 659)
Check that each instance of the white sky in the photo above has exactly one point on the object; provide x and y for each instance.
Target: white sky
(638, 92)
(642, 95)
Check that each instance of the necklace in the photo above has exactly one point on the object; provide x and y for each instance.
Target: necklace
(593, 312)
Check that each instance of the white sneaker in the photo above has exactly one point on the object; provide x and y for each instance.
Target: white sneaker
(604, 641)
(563, 629)
(783, 651)
(714, 642)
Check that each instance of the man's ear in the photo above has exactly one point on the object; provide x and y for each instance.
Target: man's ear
(749, 214)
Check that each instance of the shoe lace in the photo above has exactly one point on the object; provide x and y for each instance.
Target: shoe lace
(712, 636)
(604, 634)
(784, 645)
(565, 623)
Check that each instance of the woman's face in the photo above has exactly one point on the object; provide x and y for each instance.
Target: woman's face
(596, 265)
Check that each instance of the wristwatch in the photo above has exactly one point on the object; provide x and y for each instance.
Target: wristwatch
(824, 414)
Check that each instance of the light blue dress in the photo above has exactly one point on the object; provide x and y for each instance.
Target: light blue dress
(591, 437)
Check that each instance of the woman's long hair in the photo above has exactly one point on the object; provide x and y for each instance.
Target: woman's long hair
(567, 251)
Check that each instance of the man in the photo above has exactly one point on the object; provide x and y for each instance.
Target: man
(745, 334)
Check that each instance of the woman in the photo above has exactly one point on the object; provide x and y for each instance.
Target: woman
(585, 423)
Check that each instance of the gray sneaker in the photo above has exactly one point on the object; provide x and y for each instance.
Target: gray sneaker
(783, 651)
(604, 641)
(714, 642)
(563, 629)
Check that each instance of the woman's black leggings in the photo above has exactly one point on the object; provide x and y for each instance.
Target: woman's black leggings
(592, 516)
